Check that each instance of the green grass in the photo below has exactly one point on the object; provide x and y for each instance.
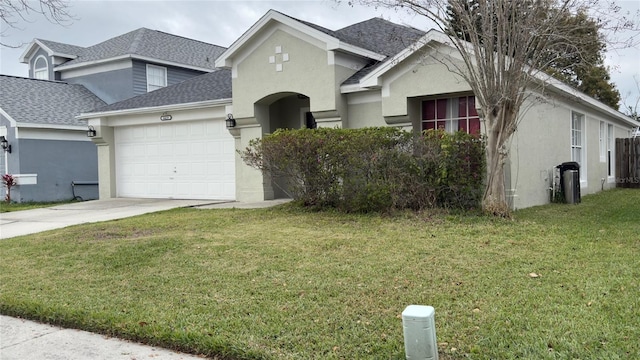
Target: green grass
(291, 284)
(9, 207)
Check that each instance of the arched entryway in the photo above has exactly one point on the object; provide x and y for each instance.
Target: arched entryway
(285, 110)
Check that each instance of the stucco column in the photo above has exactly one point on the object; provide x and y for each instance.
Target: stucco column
(251, 185)
(104, 141)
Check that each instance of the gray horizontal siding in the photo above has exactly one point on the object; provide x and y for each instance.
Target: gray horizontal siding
(109, 86)
(175, 75)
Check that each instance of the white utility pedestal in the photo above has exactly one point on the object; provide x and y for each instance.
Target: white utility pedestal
(419, 325)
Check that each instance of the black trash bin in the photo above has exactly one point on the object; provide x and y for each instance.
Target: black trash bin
(570, 181)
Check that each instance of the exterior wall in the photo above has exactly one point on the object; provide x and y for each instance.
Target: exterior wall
(174, 75)
(543, 141)
(57, 163)
(365, 109)
(307, 71)
(417, 76)
(121, 80)
(110, 86)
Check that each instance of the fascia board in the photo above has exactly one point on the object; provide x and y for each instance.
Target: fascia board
(64, 67)
(26, 54)
(583, 98)
(173, 107)
(351, 88)
(51, 126)
(357, 51)
(225, 60)
(12, 121)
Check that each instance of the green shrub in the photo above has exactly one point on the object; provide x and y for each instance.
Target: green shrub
(373, 169)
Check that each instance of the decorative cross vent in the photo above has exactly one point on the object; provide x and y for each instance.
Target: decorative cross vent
(279, 58)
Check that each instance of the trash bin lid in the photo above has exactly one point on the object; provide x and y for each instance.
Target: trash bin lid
(569, 165)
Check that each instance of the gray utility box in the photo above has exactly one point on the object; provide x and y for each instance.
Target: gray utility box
(570, 181)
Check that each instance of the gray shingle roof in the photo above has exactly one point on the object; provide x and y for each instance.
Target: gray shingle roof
(152, 44)
(377, 35)
(45, 102)
(61, 48)
(211, 86)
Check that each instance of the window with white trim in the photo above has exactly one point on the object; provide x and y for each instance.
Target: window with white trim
(603, 142)
(451, 114)
(156, 77)
(41, 68)
(610, 155)
(578, 153)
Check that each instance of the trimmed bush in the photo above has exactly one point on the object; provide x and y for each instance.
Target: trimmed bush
(373, 169)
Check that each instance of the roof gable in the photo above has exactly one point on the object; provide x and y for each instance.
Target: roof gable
(55, 103)
(331, 38)
(52, 48)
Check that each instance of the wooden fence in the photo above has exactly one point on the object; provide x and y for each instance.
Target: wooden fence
(628, 163)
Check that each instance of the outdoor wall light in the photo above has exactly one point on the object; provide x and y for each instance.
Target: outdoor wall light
(91, 132)
(5, 144)
(231, 122)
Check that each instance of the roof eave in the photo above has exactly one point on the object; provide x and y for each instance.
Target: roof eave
(585, 99)
(162, 108)
(50, 126)
(65, 67)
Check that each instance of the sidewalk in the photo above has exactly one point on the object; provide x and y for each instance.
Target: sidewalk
(22, 339)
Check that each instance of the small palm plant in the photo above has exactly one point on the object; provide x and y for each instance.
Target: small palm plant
(8, 181)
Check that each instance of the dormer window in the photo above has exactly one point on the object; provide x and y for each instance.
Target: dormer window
(156, 77)
(41, 68)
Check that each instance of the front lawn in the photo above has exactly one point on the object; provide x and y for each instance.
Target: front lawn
(557, 282)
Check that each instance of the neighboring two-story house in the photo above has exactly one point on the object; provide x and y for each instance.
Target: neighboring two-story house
(50, 149)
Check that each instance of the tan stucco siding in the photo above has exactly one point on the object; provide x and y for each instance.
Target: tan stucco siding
(306, 72)
(365, 115)
(418, 75)
(541, 142)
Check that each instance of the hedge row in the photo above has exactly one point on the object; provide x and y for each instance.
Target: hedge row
(373, 169)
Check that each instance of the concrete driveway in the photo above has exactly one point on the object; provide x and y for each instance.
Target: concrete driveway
(26, 222)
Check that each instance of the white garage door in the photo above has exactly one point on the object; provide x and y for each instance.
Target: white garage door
(179, 160)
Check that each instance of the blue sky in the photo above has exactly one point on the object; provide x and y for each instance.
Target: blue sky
(222, 22)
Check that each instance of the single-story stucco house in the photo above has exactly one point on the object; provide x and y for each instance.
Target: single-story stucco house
(288, 73)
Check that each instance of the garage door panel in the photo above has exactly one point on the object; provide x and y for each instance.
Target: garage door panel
(191, 160)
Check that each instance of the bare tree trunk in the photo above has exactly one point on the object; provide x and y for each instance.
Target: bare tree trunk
(500, 128)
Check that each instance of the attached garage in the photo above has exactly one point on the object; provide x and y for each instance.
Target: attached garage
(175, 160)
